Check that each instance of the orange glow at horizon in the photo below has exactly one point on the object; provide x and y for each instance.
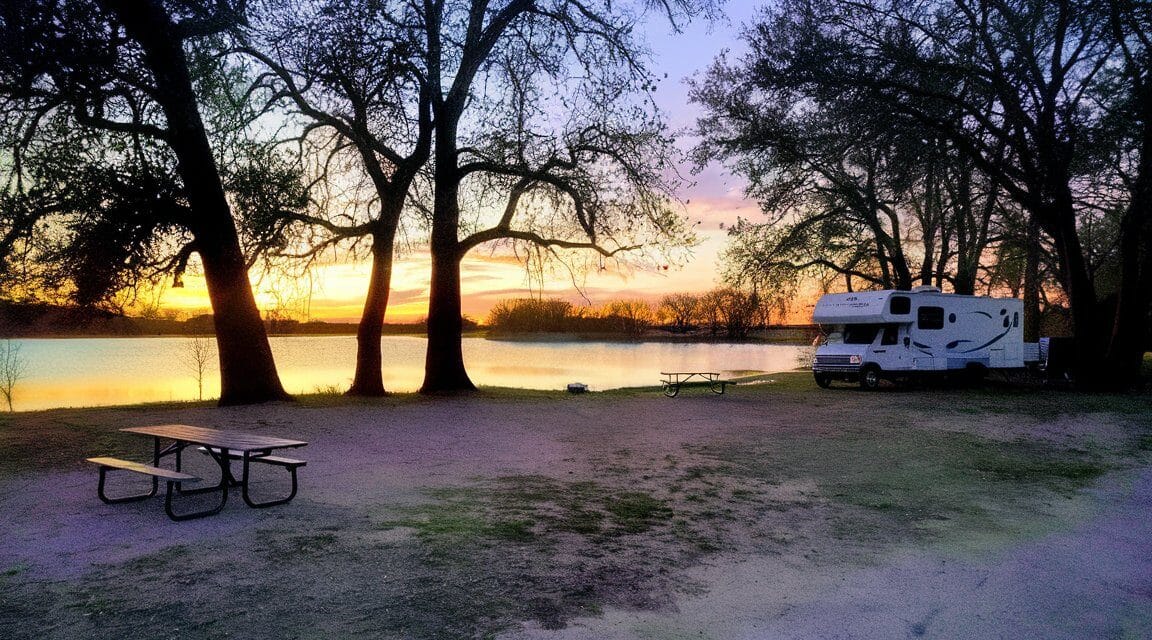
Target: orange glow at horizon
(335, 292)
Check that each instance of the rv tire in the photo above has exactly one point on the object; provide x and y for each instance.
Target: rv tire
(823, 380)
(870, 377)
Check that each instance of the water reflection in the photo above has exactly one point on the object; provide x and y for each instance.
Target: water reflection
(107, 371)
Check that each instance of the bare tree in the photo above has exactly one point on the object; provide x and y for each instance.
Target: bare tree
(13, 366)
(632, 317)
(352, 71)
(678, 310)
(734, 310)
(198, 353)
(1018, 90)
(589, 173)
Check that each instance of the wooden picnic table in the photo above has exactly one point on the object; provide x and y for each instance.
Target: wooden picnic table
(222, 446)
(673, 380)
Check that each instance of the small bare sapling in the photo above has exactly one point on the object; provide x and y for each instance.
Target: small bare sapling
(198, 354)
(13, 366)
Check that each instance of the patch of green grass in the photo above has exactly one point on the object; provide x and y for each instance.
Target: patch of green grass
(577, 545)
(634, 511)
(527, 508)
(14, 570)
(580, 521)
(155, 561)
(1017, 464)
(914, 482)
(1044, 404)
(512, 530)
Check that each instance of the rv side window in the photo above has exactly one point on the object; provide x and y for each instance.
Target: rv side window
(930, 318)
(890, 334)
(900, 305)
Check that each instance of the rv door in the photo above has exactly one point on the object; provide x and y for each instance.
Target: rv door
(890, 351)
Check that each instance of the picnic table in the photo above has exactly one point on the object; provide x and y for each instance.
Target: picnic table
(223, 447)
(673, 380)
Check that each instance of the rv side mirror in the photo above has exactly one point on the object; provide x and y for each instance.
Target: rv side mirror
(907, 341)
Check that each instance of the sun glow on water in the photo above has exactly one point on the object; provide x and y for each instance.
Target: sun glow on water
(109, 371)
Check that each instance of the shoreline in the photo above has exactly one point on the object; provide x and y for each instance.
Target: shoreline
(786, 335)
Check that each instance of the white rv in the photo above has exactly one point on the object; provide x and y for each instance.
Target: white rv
(874, 335)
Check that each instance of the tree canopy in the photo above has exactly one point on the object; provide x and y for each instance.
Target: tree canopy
(878, 130)
(115, 83)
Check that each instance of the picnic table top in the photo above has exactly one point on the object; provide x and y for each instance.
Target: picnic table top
(689, 373)
(231, 440)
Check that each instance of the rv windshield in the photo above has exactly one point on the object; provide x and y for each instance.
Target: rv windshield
(860, 333)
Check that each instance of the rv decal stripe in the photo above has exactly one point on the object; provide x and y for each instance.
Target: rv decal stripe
(984, 313)
(990, 342)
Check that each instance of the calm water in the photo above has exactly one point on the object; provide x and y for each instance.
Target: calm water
(104, 371)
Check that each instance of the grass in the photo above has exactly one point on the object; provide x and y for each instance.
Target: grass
(906, 483)
(857, 474)
(530, 509)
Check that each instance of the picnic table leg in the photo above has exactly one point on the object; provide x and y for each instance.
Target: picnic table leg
(259, 505)
(221, 461)
(140, 496)
(223, 489)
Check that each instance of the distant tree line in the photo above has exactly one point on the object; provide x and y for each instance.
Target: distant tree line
(41, 319)
(974, 145)
(721, 313)
(141, 140)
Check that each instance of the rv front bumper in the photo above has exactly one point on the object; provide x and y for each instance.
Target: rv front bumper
(839, 364)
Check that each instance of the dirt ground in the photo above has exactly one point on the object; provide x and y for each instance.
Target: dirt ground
(776, 510)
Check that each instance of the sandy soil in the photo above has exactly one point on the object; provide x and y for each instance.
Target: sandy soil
(773, 511)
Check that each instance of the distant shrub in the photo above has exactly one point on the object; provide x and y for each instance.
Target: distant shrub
(530, 315)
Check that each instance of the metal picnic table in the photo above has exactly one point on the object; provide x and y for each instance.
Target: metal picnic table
(222, 446)
(673, 380)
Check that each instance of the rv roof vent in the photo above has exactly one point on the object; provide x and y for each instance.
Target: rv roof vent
(925, 288)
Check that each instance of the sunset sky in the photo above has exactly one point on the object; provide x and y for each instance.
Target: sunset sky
(714, 200)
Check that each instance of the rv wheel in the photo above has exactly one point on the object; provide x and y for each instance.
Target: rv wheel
(823, 380)
(870, 377)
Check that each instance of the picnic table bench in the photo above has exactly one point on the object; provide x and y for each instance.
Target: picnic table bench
(673, 380)
(170, 477)
(223, 447)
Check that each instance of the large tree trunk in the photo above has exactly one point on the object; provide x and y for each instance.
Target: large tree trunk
(369, 377)
(1032, 281)
(444, 362)
(1130, 328)
(247, 370)
(1088, 365)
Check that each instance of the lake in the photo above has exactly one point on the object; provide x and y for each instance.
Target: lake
(107, 371)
